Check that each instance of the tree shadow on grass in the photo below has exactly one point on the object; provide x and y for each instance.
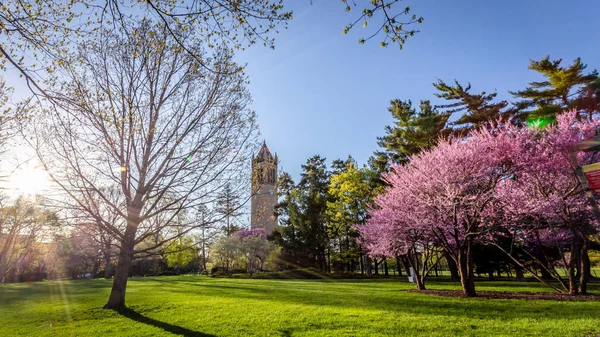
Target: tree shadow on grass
(174, 329)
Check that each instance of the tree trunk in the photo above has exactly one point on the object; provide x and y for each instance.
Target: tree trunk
(368, 266)
(385, 267)
(376, 267)
(491, 275)
(419, 281)
(465, 265)
(413, 259)
(519, 273)
(571, 269)
(95, 268)
(545, 274)
(362, 264)
(107, 263)
(452, 267)
(584, 261)
(398, 266)
(406, 264)
(116, 300)
(2, 273)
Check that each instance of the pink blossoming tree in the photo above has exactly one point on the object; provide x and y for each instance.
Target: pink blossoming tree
(441, 197)
(502, 181)
(544, 201)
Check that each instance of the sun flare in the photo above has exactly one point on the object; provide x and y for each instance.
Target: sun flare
(28, 181)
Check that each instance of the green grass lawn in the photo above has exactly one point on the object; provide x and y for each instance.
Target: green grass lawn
(201, 306)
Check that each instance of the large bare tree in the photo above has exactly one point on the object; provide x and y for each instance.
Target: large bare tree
(144, 131)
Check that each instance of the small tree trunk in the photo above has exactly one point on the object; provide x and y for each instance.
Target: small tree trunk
(545, 274)
(413, 259)
(399, 266)
(385, 267)
(419, 282)
(491, 275)
(376, 267)
(2, 272)
(406, 264)
(584, 261)
(452, 267)
(571, 269)
(519, 273)
(362, 264)
(465, 265)
(95, 268)
(107, 263)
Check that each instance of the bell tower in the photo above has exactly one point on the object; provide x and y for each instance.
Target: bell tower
(264, 193)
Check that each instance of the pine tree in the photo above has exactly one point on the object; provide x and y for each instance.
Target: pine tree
(411, 132)
(564, 88)
(302, 215)
(228, 206)
(341, 165)
(476, 109)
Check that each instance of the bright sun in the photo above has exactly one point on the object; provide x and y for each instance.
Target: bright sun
(28, 181)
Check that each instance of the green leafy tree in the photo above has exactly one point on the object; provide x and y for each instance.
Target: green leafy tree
(181, 253)
(411, 132)
(351, 191)
(476, 109)
(563, 88)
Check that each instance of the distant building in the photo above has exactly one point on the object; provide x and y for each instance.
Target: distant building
(264, 190)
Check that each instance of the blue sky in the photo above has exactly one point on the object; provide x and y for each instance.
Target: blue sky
(320, 92)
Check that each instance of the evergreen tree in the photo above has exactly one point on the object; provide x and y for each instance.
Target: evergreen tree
(313, 193)
(411, 132)
(287, 235)
(476, 109)
(228, 205)
(341, 165)
(563, 88)
(302, 216)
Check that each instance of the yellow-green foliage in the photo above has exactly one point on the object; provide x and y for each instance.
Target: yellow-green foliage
(352, 191)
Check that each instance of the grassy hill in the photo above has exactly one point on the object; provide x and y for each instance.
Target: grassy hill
(201, 306)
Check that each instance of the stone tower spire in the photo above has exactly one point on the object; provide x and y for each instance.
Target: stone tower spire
(264, 193)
